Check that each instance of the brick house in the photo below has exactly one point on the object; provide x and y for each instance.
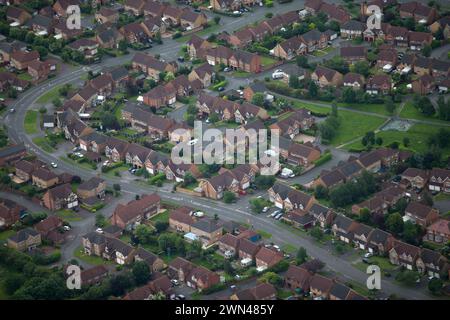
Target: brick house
(93, 188)
(439, 180)
(181, 219)
(130, 215)
(60, 197)
(44, 178)
(25, 240)
(267, 258)
(353, 54)
(421, 214)
(325, 77)
(22, 59)
(438, 232)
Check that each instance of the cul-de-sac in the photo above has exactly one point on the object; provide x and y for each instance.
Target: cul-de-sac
(96, 94)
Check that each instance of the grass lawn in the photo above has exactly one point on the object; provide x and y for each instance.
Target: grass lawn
(311, 106)
(354, 125)
(267, 61)
(442, 197)
(289, 248)
(5, 235)
(409, 112)
(207, 31)
(30, 122)
(375, 108)
(68, 215)
(91, 260)
(122, 168)
(322, 52)
(42, 143)
(84, 165)
(162, 216)
(24, 76)
(240, 74)
(226, 124)
(264, 234)
(418, 135)
(49, 95)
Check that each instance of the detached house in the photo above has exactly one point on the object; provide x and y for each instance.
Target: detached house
(418, 11)
(61, 6)
(10, 212)
(134, 212)
(22, 59)
(285, 197)
(17, 15)
(354, 81)
(426, 84)
(404, 254)
(421, 214)
(60, 197)
(352, 29)
(151, 66)
(267, 258)
(353, 54)
(439, 231)
(379, 84)
(418, 40)
(379, 242)
(197, 47)
(439, 180)
(298, 278)
(325, 77)
(205, 74)
(290, 48)
(25, 240)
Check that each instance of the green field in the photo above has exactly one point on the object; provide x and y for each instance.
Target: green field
(409, 112)
(49, 95)
(267, 61)
(162, 217)
(91, 260)
(68, 215)
(205, 32)
(5, 235)
(367, 107)
(30, 122)
(42, 143)
(354, 125)
(312, 107)
(418, 134)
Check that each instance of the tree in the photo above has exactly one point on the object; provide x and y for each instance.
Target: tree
(213, 117)
(116, 187)
(257, 205)
(411, 232)
(161, 226)
(216, 19)
(258, 99)
(57, 102)
(109, 121)
(143, 234)
(406, 142)
(294, 82)
(100, 220)
(313, 89)
(316, 233)
(379, 141)
(264, 182)
(302, 255)
(435, 286)
(426, 50)
(390, 106)
(272, 278)
(349, 95)
(407, 277)
(123, 45)
(302, 61)
(364, 215)
(141, 272)
(394, 223)
(362, 67)
(119, 284)
(228, 268)
(229, 197)
(321, 192)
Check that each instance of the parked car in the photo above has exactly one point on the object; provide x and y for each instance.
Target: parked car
(181, 59)
(368, 255)
(54, 165)
(265, 209)
(175, 282)
(278, 216)
(99, 230)
(220, 89)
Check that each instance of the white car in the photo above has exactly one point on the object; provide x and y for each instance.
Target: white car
(265, 209)
(175, 282)
(368, 255)
(276, 247)
(66, 228)
(99, 230)
(54, 165)
(199, 214)
(106, 163)
(278, 216)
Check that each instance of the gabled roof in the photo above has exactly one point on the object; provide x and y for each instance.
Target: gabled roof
(23, 235)
(207, 225)
(91, 184)
(417, 209)
(325, 72)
